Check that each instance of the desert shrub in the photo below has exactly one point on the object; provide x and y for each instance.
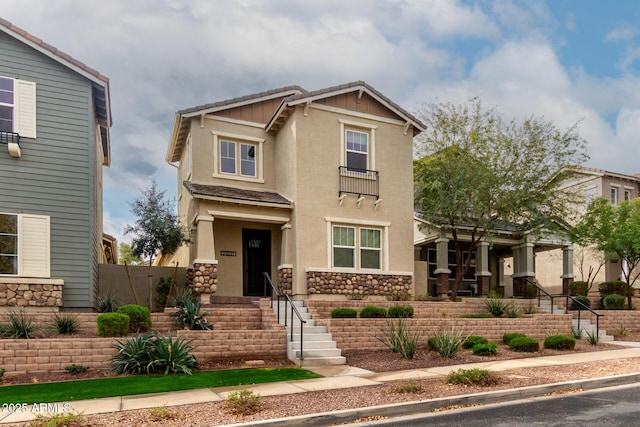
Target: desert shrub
(398, 296)
(401, 311)
(423, 297)
(190, 315)
(583, 299)
(446, 343)
(475, 376)
(401, 338)
(243, 402)
(488, 349)
(162, 413)
(372, 311)
(150, 353)
(20, 325)
(506, 338)
(495, 306)
(524, 344)
(107, 303)
(2, 371)
(593, 337)
(512, 311)
(477, 316)
(139, 317)
(578, 288)
(576, 332)
(186, 295)
(57, 420)
(113, 324)
(344, 313)
(496, 292)
(472, 340)
(613, 287)
(530, 291)
(559, 342)
(162, 291)
(406, 387)
(65, 323)
(76, 369)
(614, 302)
(357, 296)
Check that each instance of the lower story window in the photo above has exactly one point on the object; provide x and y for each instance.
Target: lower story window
(8, 244)
(365, 251)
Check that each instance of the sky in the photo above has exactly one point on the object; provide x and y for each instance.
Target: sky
(569, 61)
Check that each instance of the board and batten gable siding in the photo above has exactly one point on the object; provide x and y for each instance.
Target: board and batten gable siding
(57, 173)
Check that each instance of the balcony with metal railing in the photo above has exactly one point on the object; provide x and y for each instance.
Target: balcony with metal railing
(362, 182)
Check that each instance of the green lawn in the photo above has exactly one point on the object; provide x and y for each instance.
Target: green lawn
(141, 384)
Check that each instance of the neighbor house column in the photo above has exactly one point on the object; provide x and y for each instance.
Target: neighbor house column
(205, 265)
(525, 268)
(567, 268)
(442, 267)
(483, 275)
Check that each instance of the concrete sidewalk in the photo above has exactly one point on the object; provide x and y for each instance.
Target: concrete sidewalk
(334, 377)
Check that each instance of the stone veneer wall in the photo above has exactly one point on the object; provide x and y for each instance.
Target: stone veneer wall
(285, 280)
(332, 282)
(203, 278)
(30, 295)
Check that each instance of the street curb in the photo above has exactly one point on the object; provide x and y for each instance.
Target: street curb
(425, 406)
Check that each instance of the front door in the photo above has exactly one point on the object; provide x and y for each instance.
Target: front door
(256, 259)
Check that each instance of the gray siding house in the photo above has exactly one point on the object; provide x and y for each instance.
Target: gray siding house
(54, 140)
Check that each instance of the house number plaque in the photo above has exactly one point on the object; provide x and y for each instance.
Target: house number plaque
(227, 253)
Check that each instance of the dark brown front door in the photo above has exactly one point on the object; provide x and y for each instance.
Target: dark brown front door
(256, 259)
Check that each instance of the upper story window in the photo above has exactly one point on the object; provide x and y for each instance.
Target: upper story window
(18, 107)
(357, 150)
(24, 245)
(237, 158)
(357, 141)
(614, 195)
(7, 105)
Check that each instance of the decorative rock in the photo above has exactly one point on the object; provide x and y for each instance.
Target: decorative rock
(345, 283)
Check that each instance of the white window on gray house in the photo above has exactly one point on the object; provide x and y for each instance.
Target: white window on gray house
(370, 249)
(344, 247)
(18, 107)
(614, 195)
(8, 244)
(227, 157)
(247, 160)
(6, 104)
(357, 145)
(627, 195)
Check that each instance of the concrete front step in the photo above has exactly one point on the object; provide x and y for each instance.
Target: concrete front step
(587, 326)
(322, 361)
(328, 344)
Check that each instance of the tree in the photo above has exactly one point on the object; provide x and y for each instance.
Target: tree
(614, 230)
(125, 255)
(475, 171)
(156, 228)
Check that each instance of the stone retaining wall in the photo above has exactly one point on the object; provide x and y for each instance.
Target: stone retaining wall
(30, 295)
(333, 282)
(203, 278)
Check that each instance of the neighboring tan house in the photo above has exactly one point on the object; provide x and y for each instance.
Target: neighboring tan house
(54, 140)
(592, 183)
(314, 188)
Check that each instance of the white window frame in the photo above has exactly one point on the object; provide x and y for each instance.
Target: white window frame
(34, 237)
(613, 195)
(357, 225)
(370, 248)
(15, 255)
(24, 107)
(11, 105)
(352, 248)
(627, 195)
(361, 127)
(238, 141)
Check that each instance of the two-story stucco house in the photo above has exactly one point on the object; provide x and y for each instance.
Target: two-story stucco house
(54, 140)
(314, 188)
(592, 183)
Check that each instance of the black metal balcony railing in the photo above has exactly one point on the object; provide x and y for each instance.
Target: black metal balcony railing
(362, 182)
(9, 137)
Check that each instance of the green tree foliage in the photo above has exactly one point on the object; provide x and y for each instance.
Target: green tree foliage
(156, 229)
(614, 230)
(476, 171)
(126, 255)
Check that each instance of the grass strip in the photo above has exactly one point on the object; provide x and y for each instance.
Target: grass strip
(142, 384)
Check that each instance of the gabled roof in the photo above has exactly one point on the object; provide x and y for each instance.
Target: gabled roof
(361, 87)
(604, 173)
(100, 83)
(291, 96)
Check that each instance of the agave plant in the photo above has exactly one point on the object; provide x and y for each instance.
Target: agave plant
(190, 315)
(169, 355)
(133, 355)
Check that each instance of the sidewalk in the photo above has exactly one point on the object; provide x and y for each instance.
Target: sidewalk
(336, 377)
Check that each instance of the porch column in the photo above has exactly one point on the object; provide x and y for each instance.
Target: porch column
(483, 275)
(567, 268)
(285, 269)
(205, 265)
(525, 268)
(442, 267)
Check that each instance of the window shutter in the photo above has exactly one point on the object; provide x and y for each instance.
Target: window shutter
(25, 108)
(34, 260)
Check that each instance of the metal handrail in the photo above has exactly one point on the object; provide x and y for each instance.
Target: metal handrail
(287, 300)
(581, 306)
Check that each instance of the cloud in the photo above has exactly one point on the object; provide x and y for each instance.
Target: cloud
(623, 32)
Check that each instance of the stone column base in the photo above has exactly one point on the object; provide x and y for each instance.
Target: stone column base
(519, 285)
(566, 281)
(285, 280)
(483, 284)
(442, 284)
(203, 279)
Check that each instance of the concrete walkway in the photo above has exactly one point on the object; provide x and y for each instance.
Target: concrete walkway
(334, 377)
